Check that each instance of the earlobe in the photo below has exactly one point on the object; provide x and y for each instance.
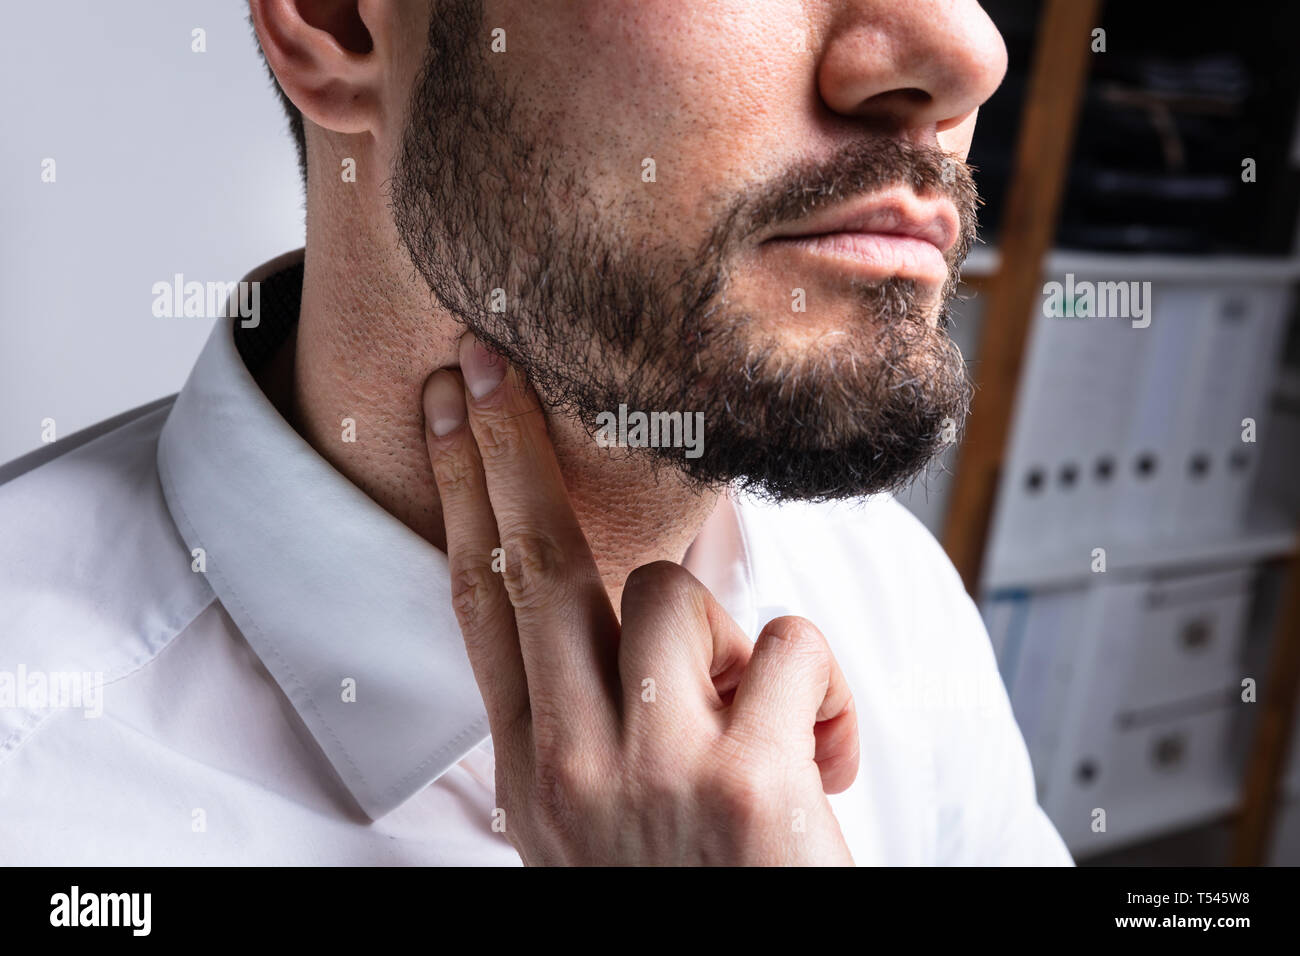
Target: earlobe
(323, 54)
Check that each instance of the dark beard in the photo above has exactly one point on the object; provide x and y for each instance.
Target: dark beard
(595, 320)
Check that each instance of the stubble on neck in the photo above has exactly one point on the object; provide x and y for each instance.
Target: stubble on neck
(368, 336)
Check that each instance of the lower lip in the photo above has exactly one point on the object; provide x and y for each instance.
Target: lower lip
(873, 255)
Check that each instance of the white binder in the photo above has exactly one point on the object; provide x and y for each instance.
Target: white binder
(1243, 324)
(1159, 433)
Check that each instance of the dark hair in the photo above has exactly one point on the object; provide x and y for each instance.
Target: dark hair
(291, 111)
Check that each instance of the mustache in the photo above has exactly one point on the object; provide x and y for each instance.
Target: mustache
(856, 170)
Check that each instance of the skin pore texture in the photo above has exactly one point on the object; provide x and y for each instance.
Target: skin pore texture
(524, 171)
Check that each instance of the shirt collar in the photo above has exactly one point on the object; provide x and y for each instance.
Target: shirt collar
(349, 610)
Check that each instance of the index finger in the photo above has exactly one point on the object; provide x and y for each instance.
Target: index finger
(568, 632)
(478, 597)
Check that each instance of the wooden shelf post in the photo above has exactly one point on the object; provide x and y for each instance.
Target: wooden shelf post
(1046, 139)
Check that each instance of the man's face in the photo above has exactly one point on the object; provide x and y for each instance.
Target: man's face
(753, 209)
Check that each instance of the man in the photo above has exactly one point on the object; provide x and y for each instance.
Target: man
(483, 540)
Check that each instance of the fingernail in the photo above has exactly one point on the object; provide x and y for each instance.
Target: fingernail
(444, 402)
(483, 371)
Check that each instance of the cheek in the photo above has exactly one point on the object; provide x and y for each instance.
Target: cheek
(708, 91)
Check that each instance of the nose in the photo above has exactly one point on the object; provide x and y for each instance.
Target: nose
(916, 67)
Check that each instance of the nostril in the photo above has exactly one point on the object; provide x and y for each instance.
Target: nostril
(897, 110)
(913, 93)
(907, 100)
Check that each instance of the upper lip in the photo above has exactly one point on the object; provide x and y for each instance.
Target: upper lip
(895, 212)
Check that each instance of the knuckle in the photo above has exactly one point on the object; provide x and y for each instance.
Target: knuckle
(560, 787)
(501, 437)
(738, 795)
(453, 473)
(535, 567)
(471, 592)
(794, 632)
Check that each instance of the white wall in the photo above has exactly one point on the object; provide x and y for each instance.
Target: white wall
(167, 161)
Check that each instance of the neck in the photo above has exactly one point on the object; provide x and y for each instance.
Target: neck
(368, 337)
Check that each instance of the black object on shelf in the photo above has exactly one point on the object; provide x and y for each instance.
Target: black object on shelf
(1178, 101)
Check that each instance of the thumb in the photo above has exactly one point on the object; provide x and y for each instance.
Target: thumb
(793, 691)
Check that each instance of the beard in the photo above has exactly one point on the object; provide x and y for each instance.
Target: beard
(513, 246)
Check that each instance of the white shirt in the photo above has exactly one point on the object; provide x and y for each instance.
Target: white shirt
(305, 697)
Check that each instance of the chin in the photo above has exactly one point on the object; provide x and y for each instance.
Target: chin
(800, 309)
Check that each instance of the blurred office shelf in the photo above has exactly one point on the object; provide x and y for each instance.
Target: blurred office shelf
(1258, 288)
(1075, 667)
(1070, 670)
(1151, 815)
(1157, 800)
(1142, 439)
(984, 260)
(1176, 101)
(1127, 683)
(1075, 568)
(981, 261)
(1128, 692)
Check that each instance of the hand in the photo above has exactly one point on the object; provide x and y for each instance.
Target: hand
(663, 739)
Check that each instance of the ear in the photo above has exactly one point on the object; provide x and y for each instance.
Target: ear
(326, 56)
